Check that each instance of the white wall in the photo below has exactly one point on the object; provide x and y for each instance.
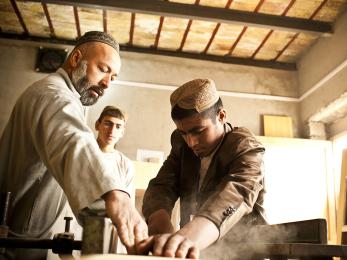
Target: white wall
(327, 54)
(149, 125)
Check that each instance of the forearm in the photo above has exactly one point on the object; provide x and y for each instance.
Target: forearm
(159, 222)
(201, 231)
(130, 226)
(114, 201)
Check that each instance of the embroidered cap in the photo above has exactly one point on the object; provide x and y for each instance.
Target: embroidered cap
(97, 36)
(198, 94)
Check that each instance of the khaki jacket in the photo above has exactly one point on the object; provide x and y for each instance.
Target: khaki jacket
(232, 190)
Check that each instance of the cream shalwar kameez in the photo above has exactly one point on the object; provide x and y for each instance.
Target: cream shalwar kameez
(47, 150)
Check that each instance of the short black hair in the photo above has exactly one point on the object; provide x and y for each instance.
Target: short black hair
(178, 113)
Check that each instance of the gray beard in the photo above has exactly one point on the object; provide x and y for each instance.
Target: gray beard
(82, 85)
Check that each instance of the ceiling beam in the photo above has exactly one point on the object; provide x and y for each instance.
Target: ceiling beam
(77, 21)
(208, 57)
(19, 16)
(198, 56)
(205, 13)
(49, 20)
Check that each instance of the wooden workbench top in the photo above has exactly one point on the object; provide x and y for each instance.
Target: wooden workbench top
(117, 257)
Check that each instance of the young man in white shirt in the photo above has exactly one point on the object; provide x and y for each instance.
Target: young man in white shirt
(111, 127)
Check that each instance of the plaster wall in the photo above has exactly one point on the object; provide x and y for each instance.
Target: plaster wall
(326, 55)
(149, 125)
(339, 127)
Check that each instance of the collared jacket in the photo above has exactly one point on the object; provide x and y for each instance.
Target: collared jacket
(47, 151)
(232, 190)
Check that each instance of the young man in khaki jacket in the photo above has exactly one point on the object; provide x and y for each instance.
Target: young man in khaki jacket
(213, 168)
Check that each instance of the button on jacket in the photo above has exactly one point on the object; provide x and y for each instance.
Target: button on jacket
(232, 190)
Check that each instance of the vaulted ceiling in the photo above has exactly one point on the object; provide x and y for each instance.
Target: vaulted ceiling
(266, 33)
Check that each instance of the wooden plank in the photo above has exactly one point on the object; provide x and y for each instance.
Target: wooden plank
(77, 21)
(186, 31)
(132, 26)
(274, 44)
(19, 16)
(90, 19)
(243, 32)
(274, 6)
(299, 44)
(145, 30)
(104, 20)
(34, 18)
(331, 10)
(304, 9)
(120, 33)
(278, 126)
(225, 37)
(8, 18)
(216, 29)
(172, 33)
(206, 13)
(270, 33)
(184, 38)
(214, 3)
(183, 1)
(247, 6)
(48, 17)
(341, 210)
(63, 21)
(312, 5)
(157, 37)
(239, 37)
(250, 41)
(198, 36)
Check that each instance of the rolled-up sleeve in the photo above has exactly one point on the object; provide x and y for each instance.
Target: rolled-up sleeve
(68, 148)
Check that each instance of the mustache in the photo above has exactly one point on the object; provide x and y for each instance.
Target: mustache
(97, 89)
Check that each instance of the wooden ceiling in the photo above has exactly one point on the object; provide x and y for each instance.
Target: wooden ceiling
(266, 33)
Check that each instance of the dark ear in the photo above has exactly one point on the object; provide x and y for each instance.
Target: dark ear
(75, 58)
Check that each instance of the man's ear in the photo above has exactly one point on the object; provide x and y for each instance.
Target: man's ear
(222, 115)
(97, 123)
(75, 58)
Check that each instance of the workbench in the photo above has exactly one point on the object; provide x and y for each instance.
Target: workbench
(290, 251)
(117, 257)
(251, 251)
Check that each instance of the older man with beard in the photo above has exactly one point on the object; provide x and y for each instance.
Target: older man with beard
(48, 154)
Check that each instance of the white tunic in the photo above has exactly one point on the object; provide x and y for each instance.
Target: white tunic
(45, 148)
(125, 174)
(125, 170)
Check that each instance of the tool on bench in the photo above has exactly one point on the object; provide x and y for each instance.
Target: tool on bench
(62, 243)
